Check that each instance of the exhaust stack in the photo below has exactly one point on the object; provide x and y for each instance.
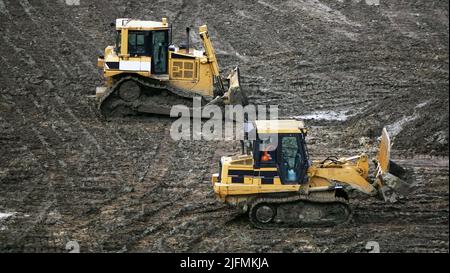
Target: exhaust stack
(188, 31)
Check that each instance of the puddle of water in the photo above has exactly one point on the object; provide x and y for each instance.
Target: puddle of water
(6, 215)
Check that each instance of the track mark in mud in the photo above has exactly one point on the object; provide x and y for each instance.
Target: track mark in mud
(265, 4)
(40, 211)
(149, 184)
(19, 52)
(124, 188)
(75, 120)
(4, 10)
(32, 14)
(321, 11)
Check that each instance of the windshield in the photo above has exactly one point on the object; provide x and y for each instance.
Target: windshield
(289, 150)
(137, 43)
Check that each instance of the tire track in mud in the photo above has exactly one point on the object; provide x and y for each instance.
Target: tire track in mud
(125, 187)
(143, 188)
(160, 204)
(23, 24)
(50, 168)
(31, 12)
(49, 54)
(83, 130)
(81, 192)
(27, 7)
(420, 218)
(62, 122)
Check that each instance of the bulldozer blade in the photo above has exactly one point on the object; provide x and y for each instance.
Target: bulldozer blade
(235, 95)
(397, 184)
(219, 100)
(393, 179)
(384, 151)
(388, 194)
(399, 178)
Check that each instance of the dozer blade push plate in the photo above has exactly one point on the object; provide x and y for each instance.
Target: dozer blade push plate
(384, 151)
(236, 96)
(388, 194)
(395, 180)
(397, 184)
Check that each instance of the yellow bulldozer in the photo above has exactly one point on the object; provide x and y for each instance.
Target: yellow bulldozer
(145, 73)
(277, 184)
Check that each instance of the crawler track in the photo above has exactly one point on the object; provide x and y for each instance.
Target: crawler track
(317, 210)
(153, 97)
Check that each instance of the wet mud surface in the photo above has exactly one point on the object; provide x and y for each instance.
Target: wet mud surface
(125, 185)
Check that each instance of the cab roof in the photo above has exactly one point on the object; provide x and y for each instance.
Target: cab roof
(125, 23)
(279, 126)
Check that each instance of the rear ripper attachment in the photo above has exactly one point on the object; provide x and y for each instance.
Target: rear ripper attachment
(275, 182)
(145, 73)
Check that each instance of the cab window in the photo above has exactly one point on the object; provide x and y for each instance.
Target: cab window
(289, 150)
(118, 41)
(267, 150)
(290, 160)
(137, 43)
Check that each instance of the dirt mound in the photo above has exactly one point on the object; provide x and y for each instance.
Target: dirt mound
(417, 123)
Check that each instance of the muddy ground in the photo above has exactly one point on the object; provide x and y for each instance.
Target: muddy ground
(124, 185)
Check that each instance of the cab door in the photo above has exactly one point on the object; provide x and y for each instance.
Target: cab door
(159, 52)
(293, 160)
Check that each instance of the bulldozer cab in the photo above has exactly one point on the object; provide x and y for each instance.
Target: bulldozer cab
(144, 39)
(286, 151)
(149, 43)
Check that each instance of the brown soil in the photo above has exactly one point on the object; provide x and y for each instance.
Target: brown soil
(124, 185)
